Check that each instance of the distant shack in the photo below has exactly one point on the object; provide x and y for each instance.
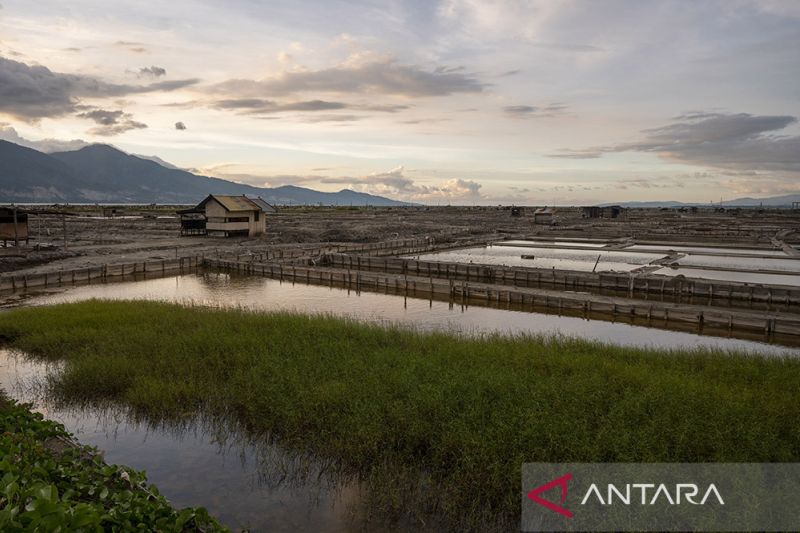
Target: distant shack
(226, 216)
(544, 215)
(13, 225)
(596, 211)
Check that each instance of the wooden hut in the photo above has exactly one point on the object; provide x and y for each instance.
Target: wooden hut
(225, 216)
(13, 225)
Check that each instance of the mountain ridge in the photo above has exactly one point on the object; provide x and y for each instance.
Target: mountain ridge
(103, 173)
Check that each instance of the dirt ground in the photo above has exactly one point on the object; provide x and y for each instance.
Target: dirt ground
(148, 233)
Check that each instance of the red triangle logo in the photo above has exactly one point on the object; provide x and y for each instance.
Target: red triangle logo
(562, 482)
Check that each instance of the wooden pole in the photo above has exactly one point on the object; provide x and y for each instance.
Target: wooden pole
(64, 228)
(16, 232)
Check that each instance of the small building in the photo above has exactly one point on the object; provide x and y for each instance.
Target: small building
(596, 211)
(193, 221)
(592, 211)
(265, 206)
(225, 216)
(111, 212)
(13, 225)
(544, 215)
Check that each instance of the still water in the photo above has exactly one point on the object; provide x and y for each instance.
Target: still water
(225, 290)
(563, 259)
(240, 481)
(732, 275)
(710, 249)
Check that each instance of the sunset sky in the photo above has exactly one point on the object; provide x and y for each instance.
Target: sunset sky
(456, 101)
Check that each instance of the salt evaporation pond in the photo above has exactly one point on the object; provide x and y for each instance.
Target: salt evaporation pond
(563, 259)
(741, 263)
(576, 244)
(754, 278)
(708, 249)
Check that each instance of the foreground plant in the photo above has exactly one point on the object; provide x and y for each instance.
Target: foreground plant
(428, 421)
(51, 484)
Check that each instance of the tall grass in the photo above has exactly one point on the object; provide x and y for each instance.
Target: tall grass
(438, 417)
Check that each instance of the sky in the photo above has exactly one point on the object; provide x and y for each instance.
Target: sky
(439, 102)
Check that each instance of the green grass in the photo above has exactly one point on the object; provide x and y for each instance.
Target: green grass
(47, 484)
(405, 409)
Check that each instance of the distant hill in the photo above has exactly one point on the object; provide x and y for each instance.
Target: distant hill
(101, 173)
(649, 204)
(772, 201)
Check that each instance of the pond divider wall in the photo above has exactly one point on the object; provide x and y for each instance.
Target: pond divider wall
(22, 282)
(598, 306)
(633, 284)
(465, 283)
(382, 248)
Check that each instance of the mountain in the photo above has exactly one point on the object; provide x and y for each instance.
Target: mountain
(101, 173)
(773, 201)
(30, 176)
(668, 203)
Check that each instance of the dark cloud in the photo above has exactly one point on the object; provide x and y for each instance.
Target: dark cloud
(151, 72)
(30, 92)
(102, 116)
(529, 111)
(373, 77)
(739, 142)
(111, 122)
(180, 126)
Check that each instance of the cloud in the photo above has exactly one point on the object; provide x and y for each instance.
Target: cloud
(741, 142)
(396, 183)
(261, 106)
(393, 183)
(528, 111)
(111, 122)
(151, 72)
(180, 126)
(368, 75)
(31, 92)
(333, 118)
(7, 133)
(133, 46)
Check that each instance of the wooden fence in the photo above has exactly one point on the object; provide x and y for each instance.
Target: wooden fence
(596, 306)
(21, 282)
(375, 249)
(630, 284)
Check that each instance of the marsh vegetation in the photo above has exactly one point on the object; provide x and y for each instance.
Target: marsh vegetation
(430, 421)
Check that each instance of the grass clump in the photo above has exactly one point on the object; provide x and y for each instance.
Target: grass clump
(456, 416)
(49, 483)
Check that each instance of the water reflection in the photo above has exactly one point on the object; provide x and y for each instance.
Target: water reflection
(243, 481)
(225, 290)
